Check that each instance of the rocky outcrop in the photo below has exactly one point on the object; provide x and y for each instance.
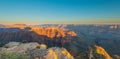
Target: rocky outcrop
(98, 52)
(59, 53)
(102, 51)
(51, 53)
(94, 52)
(20, 47)
(37, 51)
(72, 33)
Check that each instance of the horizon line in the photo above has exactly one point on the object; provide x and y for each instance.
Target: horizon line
(60, 23)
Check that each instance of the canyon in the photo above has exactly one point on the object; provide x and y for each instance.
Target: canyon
(76, 39)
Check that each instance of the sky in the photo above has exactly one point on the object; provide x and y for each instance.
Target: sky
(59, 11)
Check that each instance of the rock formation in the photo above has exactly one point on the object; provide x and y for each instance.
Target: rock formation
(20, 47)
(33, 52)
(23, 33)
(72, 33)
(102, 51)
(98, 52)
(114, 26)
(51, 53)
(52, 31)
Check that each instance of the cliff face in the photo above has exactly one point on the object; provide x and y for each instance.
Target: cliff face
(52, 31)
(94, 52)
(58, 53)
(22, 33)
(102, 51)
(98, 52)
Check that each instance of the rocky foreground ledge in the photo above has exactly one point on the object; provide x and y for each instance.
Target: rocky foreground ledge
(33, 50)
(16, 50)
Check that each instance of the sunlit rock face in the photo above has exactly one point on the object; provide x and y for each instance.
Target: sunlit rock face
(95, 52)
(58, 53)
(102, 51)
(72, 33)
(51, 53)
(98, 52)
(49, 31)
(52, 31)
(40, 34)
(42, 46)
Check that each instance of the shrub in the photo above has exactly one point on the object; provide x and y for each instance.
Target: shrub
(12, 55)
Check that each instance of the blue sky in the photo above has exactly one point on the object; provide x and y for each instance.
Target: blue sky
(59, 11)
